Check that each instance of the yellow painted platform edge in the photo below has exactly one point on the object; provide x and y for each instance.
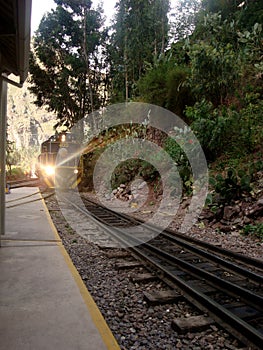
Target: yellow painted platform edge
(99, 321)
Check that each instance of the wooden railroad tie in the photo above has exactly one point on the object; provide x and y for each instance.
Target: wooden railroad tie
(191, 324)
(127, 265)
(143, 277)
(162, 297)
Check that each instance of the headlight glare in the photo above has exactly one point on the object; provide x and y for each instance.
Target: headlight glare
(50, 170)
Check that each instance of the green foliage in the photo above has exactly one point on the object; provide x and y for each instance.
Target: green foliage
(214, 71)
(213, 29)
(16, 173)
(140, 33)
(231, 186)
(164, 85)
(251, 122)
(176, 152)
(21, 159)
(256, 230)
(178, 93)
(226, 130)
(227, 7)
(213, 127)
(128, 170)
(66, 61)
(152, 88)
(251, 47)
(252, 13)
(224, 59)
(184, 19)
(211, 75)
(246, 12)
(10, 155)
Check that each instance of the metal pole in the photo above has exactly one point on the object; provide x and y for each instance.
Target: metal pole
(3, 104)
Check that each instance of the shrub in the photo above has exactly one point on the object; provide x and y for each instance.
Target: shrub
(128, 170)
(256, 230)
(182, 163)
(232, 185)
(164, 85)
(214, 127)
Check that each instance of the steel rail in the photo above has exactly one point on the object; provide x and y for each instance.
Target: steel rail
(228, 287)
(232, 323)
(232, 255)
(22, 183)
(205, 254)
(244, 331)
(237, 256)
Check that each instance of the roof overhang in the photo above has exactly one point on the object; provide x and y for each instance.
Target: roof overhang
(15, 16)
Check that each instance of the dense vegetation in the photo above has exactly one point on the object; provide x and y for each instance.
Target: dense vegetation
(204, 64)
(28, 126)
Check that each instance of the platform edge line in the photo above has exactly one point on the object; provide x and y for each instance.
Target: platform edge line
(99, 321)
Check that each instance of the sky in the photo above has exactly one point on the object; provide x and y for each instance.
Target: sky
(40, 7)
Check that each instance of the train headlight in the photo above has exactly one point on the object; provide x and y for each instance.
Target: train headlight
(76, 171)
(50, 170)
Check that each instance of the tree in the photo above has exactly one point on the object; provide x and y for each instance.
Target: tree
(226, 7)
(67, 60)
(248, 12)
(10, 158)
(226, 78)
(215, 59)
(161, 26)
(164, 85)
(140, 32)
(184, 19)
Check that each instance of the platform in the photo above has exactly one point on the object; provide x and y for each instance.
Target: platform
(44, 304)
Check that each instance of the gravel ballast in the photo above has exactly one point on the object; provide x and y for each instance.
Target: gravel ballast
(135, 324)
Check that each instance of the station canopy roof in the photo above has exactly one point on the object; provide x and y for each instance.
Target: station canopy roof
(15, 16)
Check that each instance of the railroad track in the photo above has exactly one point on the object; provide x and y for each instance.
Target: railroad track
(30, 198)
(23, 183)
(225, 285)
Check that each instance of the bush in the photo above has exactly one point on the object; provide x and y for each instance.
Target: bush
(182, 163)
(128, 170)
(16, 173)
(215, 70)
(164, 85)
(231, 186)
(224, 129)
(214, 127)
(256, 230)
(251, 122)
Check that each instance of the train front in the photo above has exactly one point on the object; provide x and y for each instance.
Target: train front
(59, 164)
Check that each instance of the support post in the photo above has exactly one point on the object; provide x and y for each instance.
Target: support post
(3, 123)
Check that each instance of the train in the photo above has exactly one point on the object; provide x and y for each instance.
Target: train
(59, 163)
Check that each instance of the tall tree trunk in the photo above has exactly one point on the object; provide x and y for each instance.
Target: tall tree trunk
(126, 66)
(86, 58)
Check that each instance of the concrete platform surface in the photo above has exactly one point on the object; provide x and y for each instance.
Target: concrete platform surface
(44, 304)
